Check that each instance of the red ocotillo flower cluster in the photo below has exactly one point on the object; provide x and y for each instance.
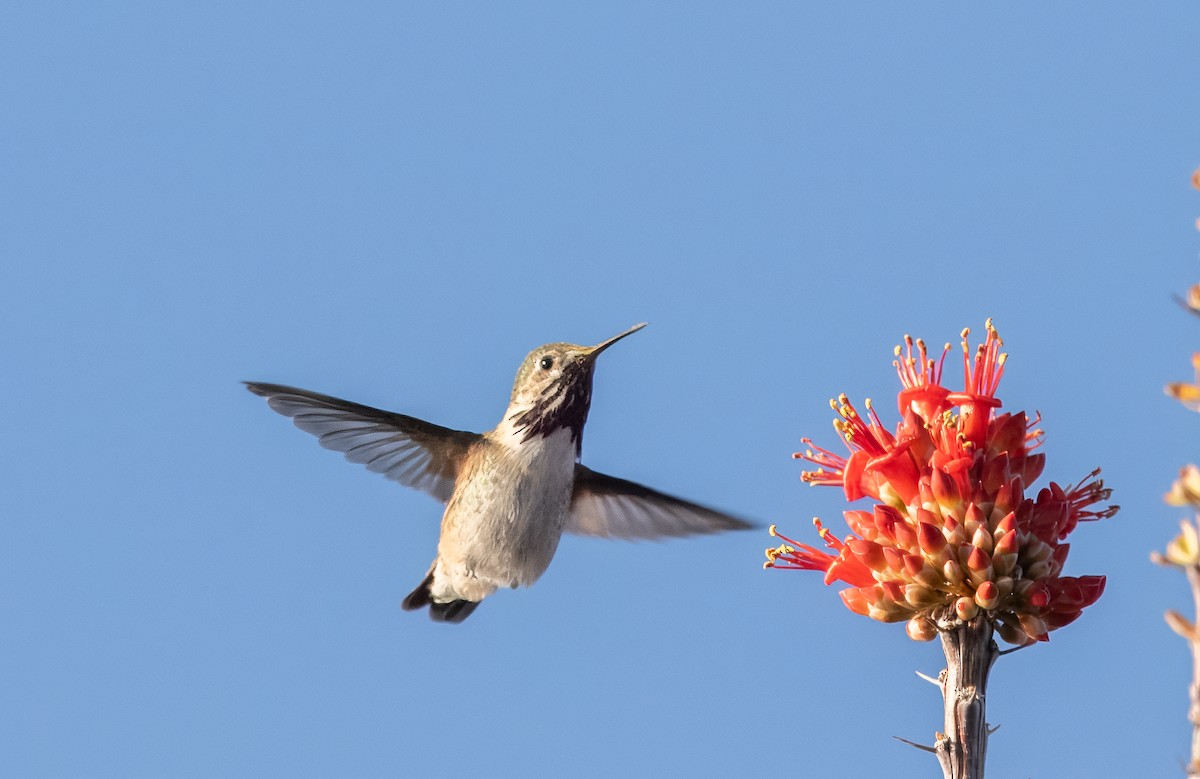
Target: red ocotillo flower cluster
(953, 532)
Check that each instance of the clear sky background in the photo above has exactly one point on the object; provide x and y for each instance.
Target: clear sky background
(394, 202)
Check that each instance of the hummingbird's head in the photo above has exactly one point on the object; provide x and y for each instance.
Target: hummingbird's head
(553, 388)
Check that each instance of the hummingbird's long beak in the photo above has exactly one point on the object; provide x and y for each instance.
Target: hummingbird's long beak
(595, 350)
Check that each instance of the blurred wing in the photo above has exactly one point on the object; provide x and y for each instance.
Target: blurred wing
(615, 508)
(413, 452)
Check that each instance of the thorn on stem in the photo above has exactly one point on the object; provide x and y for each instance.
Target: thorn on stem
(921, 747)
(1185, 305)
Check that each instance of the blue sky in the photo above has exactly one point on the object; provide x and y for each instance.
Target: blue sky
(394, 202)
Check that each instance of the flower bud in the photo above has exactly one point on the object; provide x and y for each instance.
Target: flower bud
(930, 538)
(893, 591)
(944, 488)
(1012, 634)
(979, 566)
(869, 553)
(855, 600)
(982, 539)
(987, 596)
(1006, 543)
(1038, 570)
(921, 629)
(894, 559)
(906, 537)
(1033, 625)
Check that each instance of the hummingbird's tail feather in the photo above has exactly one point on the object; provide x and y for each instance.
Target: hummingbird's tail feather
(420, 597)
(455, 611)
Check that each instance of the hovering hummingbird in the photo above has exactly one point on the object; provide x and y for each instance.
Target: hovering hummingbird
(511, 492)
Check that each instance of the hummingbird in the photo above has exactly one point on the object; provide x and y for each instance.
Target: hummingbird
(510, 493)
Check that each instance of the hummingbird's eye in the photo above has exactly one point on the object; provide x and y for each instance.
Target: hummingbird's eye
(547, 362)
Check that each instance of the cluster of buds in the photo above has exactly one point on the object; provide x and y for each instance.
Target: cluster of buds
(952, 533)
(1183, 551)
(1185, 491)
(1188, 393)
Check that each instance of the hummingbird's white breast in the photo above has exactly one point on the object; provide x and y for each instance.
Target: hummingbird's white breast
(503, 523)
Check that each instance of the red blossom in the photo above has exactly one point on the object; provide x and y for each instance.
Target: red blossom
(952, 528)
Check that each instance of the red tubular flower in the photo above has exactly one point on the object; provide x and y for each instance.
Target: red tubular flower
(952, 530)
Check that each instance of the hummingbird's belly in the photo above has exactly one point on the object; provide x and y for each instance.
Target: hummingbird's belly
(503, 523)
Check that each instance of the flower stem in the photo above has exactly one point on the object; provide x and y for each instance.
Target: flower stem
(970, 652)
(1193, 769)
